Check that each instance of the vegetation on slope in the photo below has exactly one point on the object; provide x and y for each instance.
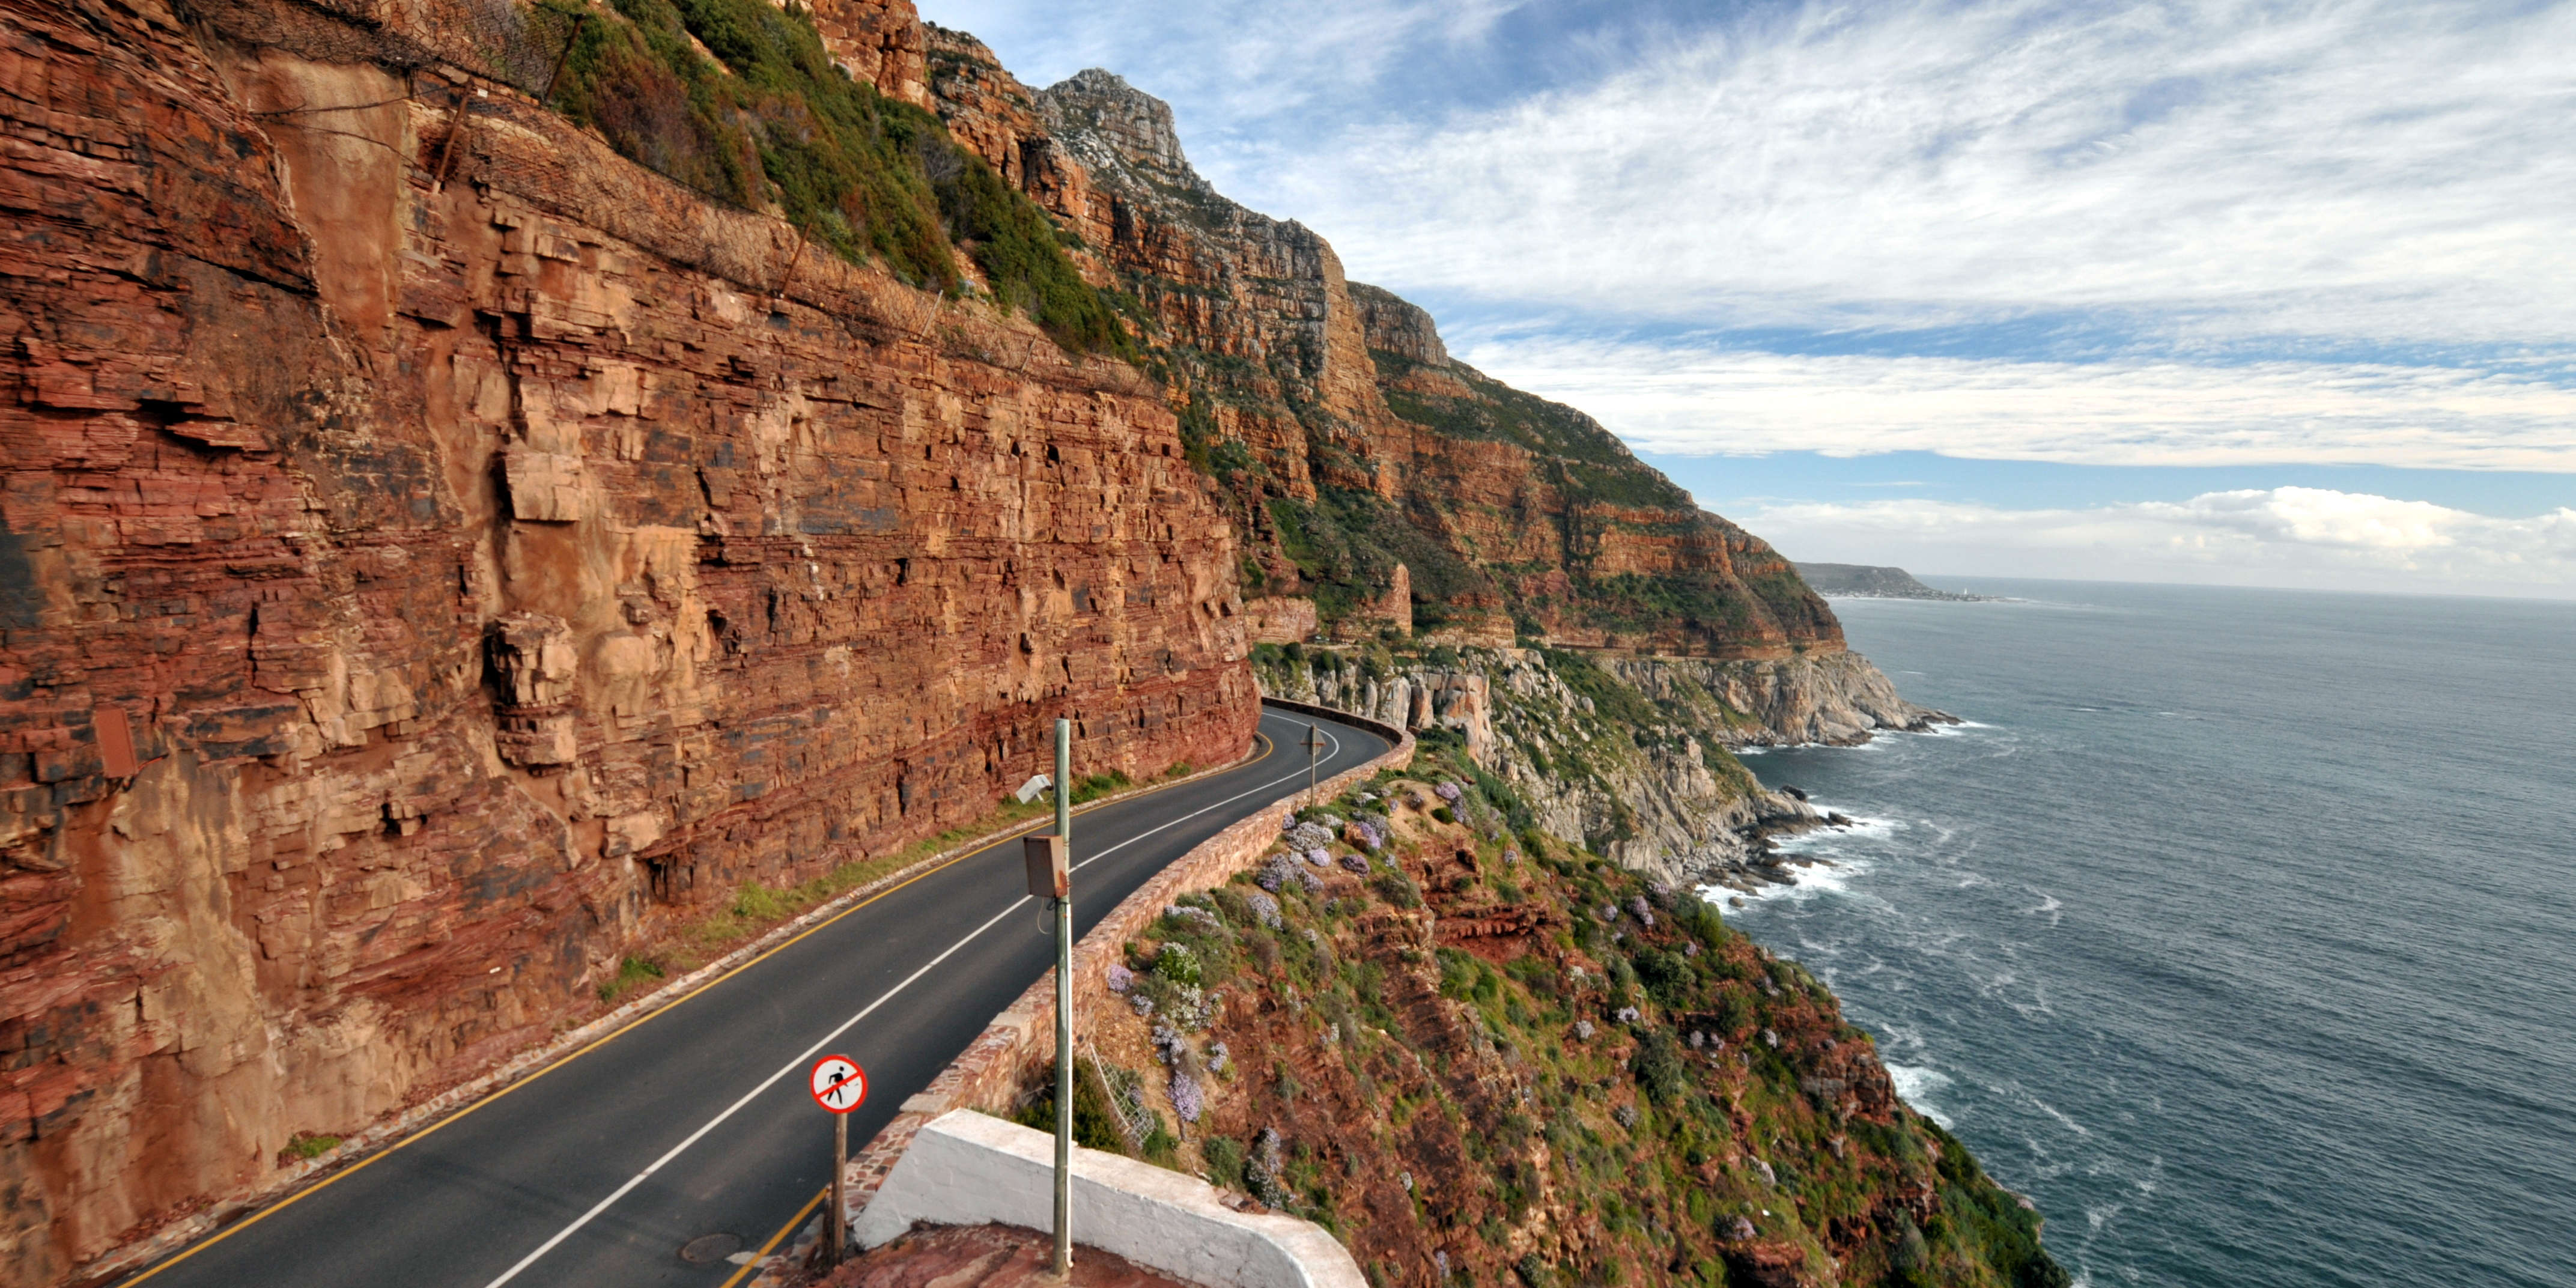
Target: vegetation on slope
(770, 120)
(1478, 1055)
(1604, 488)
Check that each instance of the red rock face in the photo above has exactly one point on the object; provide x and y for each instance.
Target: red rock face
(411, 593)
(1544, 520)
(878, 42)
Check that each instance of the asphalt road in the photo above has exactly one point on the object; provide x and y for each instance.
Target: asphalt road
(696, 1121)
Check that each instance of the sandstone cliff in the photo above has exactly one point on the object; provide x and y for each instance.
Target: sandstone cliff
(482, 485)
(437, 548)
(1354, 450)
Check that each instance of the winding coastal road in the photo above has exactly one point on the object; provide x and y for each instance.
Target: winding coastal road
(694, 1120)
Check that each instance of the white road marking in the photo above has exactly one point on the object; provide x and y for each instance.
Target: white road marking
(846, 1025)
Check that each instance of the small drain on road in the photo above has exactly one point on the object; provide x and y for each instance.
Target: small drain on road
(706, 1249)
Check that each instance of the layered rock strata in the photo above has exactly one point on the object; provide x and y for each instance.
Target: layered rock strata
(1633, 756)
(1352, 444)
(416, 590)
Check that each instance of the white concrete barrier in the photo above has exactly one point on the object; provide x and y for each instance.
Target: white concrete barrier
(966, 1168)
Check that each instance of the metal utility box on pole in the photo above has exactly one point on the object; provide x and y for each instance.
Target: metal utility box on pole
(1061, 875)
(1049, 874)
(1314, 750)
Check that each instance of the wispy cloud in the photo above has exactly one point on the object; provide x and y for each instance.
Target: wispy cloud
(1697, 399)
(1233, 68)
(2212, 170)
(2280, 536)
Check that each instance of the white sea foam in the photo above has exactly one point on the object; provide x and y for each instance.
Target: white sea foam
(1915, 1084)
(1811, 882)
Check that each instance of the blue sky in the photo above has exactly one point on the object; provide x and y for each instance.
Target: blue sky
(2259, 293)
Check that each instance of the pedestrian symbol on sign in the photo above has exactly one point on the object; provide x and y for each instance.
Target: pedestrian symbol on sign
(839, 1085)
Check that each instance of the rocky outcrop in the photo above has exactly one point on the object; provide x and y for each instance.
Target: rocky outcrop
(1478, 1054)
(1836, 698)
(415, 591)
(878, 42)
(1630, 754)
(1863, 581)
(1351, 443)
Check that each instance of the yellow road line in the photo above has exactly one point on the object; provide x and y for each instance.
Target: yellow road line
(792, 1223)
(623, 1029)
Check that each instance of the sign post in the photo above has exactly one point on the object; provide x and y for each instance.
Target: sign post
(1064, 1002)
(1314, 749)
(839, 1086)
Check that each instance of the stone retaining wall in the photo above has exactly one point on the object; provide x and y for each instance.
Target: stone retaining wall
(989, 1073)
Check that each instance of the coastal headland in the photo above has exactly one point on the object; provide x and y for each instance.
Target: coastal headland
(507, 505)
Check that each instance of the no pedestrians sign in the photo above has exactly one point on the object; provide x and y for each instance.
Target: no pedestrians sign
(838, 1083)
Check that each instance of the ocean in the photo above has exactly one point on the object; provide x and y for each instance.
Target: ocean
(2236, 928)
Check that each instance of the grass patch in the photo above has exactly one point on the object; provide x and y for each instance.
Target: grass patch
(630, 972)
(307, 1145)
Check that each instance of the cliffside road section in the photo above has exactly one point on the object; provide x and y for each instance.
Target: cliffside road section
(695, 1120)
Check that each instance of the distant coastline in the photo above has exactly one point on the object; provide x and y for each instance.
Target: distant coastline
(1865, 581)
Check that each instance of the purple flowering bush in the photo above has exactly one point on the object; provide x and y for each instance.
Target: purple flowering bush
(1264, 908)
(1355, 863)
(1189, 1100)
(1121, 979)
(1449, 792)
(1644, 913)
(1279, 871)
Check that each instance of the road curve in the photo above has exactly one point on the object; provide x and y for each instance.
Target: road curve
(695, 1121)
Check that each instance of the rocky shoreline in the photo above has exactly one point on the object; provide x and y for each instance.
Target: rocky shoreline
(1763, 863)
(1634, 755)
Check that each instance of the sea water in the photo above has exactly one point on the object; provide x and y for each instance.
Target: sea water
(2236, 928)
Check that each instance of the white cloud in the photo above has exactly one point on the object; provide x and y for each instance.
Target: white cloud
(1227, 65)
(1695, 399)
(2221, 170)
(2283, 536)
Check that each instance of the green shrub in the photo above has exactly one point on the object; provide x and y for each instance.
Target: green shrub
(1179, 965)
(1224, 1157)
(309, 1145)
(1398, 889)
(758, 902)
(867, 176)
(1094, 1126)
(630, 972)
(1091, 787)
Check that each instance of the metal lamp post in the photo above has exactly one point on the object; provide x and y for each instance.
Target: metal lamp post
(1064, 1000)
